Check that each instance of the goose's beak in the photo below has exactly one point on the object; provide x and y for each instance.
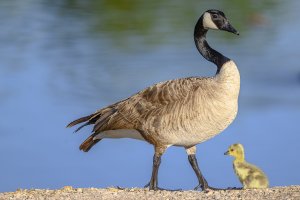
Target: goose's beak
(226, 153)
(228, 27)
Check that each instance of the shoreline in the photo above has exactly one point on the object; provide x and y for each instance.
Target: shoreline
(68, 192)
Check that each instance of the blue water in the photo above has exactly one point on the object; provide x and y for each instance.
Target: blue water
(61, 61)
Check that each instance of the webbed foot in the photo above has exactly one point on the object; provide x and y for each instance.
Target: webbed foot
(155, 188)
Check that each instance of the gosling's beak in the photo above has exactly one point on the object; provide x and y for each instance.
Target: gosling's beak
(228, 27)
(226, 153)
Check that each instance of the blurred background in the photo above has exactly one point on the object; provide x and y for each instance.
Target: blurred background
(60, 60)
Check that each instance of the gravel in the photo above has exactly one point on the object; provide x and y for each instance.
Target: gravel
(68, 192)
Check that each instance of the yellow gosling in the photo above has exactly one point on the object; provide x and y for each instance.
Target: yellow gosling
(249, 175)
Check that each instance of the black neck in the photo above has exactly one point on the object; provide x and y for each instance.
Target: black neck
(205, 50)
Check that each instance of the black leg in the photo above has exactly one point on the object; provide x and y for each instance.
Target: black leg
(159, 150)
(202, 182)
(154, 182)
(234, 188)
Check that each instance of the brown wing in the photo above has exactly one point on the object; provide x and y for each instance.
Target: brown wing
(154, 100)
(133, 111)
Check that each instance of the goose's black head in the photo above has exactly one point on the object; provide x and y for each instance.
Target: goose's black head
(215, 19)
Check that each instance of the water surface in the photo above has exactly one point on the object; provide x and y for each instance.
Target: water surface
(60, 61)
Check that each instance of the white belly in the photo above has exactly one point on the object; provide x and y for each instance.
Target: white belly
(120, 133)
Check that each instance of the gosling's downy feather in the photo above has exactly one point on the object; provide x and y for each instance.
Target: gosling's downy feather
(249, 175)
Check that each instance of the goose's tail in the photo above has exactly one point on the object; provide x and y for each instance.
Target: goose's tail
(89, 143)
(99, 118)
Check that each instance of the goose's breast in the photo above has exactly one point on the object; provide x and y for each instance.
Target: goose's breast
(191, 123)
(210, 120)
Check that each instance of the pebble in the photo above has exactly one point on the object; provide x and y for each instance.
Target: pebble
(68, 192)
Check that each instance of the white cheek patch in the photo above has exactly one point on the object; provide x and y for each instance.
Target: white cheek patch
(208, 22)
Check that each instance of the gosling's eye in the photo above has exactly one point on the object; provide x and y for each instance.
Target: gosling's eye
(231, 150)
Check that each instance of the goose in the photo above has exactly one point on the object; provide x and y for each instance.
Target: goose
(249, 175)
(181, 112)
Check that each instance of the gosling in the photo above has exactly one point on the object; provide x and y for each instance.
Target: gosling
(249, 175)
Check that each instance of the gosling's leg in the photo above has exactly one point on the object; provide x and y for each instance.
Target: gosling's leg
(191, 151)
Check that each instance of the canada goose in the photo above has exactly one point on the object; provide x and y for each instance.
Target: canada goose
(181, 112)
(249, 175)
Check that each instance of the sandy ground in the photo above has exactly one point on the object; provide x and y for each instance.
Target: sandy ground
(278, 193)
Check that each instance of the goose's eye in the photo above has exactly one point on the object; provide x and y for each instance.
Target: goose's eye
(231, 150)
(214, 16)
